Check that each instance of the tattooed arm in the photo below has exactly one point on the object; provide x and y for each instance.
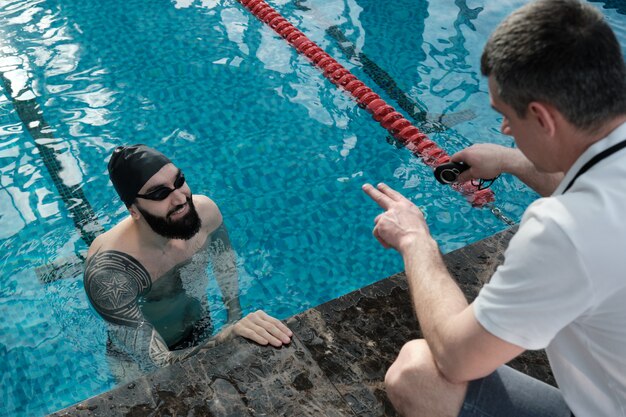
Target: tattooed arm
(113, 282)
(225, 269)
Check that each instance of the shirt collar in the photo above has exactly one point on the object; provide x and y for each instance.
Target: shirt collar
(617, 135)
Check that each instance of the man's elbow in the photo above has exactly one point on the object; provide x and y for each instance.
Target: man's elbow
(457, 369)
(451, 372)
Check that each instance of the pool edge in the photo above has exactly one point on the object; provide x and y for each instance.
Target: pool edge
(335, 365)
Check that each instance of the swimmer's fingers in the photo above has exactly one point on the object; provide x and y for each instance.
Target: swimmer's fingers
(279, 325)
(263, 329)
(256, 334)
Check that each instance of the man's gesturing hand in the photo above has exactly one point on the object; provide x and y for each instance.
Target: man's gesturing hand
(401, 224)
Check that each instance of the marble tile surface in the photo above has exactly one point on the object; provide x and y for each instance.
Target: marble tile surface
(335, 365)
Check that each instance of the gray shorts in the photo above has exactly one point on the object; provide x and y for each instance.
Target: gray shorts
(510, 393)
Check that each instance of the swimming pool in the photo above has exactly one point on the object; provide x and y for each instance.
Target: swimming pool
(252, 124)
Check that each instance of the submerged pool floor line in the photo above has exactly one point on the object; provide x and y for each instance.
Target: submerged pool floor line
(428, 123)
(393, 121)
(76, 203)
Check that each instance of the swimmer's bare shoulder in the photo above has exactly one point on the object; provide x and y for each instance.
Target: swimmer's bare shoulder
(209, 212)
(120, 237)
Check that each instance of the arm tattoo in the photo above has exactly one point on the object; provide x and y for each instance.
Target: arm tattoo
(113, 282)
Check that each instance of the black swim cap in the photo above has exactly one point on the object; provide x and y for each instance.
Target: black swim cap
(130, 167)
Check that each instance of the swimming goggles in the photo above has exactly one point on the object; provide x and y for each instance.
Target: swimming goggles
(163, 192)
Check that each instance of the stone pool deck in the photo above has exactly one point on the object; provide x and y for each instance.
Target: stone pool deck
(335, 365)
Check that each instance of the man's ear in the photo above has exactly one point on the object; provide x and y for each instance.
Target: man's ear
(134, 213)
(545, 116)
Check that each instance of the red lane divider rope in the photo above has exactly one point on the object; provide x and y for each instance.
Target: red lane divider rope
(399, 127)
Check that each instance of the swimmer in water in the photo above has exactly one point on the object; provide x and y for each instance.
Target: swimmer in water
(147, 276)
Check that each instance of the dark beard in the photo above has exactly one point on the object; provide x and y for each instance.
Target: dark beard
(184, 228)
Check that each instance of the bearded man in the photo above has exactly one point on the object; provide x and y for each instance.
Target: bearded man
(148, 275)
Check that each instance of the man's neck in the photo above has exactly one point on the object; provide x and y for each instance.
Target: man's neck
(150, 239)
(581, 141)
(608, 128)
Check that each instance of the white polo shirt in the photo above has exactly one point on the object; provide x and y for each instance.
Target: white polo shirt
(562, 286)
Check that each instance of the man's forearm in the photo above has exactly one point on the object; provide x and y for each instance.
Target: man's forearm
(225, 269)
(436, 296)
(543, 183)
(229, 286)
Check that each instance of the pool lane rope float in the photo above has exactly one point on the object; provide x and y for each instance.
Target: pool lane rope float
(394, 122)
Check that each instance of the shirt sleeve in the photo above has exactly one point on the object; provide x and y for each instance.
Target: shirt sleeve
(541, 287)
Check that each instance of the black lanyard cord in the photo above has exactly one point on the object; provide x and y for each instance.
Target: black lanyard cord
(604, 154)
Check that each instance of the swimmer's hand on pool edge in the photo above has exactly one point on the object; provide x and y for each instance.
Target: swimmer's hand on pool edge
(258, 327)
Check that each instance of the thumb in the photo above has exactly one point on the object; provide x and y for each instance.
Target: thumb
(380, 239)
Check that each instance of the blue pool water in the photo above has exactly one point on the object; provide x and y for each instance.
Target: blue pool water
(252, 124)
